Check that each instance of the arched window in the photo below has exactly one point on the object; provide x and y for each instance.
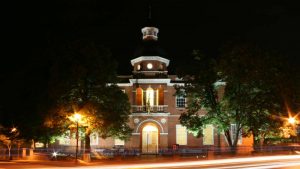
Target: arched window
(139, 96)
(160, 96)
(150, 96)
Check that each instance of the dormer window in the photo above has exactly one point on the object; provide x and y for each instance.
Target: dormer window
(149, 66)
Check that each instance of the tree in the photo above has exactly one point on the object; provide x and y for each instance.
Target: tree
(202, 93)
(83, 81)
(251, 91)
(249, 99)
(8, 137)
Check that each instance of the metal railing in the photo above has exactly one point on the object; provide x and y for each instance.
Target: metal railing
(146, 109)
(65, 153)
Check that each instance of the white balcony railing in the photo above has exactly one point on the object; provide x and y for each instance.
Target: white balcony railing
(152, 109)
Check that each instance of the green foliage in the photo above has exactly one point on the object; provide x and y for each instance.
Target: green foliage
(251, 98)
(82, 81)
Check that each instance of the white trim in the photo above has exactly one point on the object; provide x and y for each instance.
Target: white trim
(149, 71)
(124, 84)
(178, 84)
(219, 83)
(163, 133)
(149, 114)
(157, 58)
(151, 120)
(145, 81)
(151, 81)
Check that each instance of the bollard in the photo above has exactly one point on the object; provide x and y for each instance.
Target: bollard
(210, 155)
(23, 153)
(31, 154)
(87, 157)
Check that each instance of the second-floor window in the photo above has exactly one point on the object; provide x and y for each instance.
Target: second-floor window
(180, 102)
(150, 96)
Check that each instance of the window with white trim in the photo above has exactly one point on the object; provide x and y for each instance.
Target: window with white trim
(65, 139)
(181, 135)
(119, 142)
(208, 135)
(180, 102)
(94, 138)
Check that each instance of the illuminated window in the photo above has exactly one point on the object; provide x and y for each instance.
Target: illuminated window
(65, 138)
(39, 145)
(180, 102)
(233, 130)
(150, 96)
(138, 67)
(208, 135)
(149, 66)
(139, 96)
(181, 135)
(119, 142)
(94, 140)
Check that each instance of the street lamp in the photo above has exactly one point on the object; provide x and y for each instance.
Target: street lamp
(292, 120)
(76, 118)
(294, 124)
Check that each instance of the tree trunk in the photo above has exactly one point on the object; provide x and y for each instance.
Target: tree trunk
(261, 141)
(219, 142)
(228, 137)
(254, 141)
(32, 144)
(9, 155)
(87, 145)
(230, 142)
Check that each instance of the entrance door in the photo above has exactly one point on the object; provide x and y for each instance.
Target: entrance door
(150, 139)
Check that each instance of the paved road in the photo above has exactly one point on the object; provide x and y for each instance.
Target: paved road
(265, 162)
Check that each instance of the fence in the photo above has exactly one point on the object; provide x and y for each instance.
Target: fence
(68, 153)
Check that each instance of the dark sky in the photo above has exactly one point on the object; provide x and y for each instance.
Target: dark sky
(28, 28)
(184, 25)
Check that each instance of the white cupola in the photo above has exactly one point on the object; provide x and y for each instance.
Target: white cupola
(150, 33)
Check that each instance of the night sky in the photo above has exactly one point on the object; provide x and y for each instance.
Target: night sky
(30, 27)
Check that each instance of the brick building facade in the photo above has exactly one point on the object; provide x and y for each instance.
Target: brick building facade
(155, 107)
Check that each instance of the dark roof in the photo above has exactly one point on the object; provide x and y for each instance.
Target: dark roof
(149, 48)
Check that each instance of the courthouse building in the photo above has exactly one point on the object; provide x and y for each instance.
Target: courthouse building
(155, 107)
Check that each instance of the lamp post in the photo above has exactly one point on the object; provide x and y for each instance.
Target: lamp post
(294, 123)
(77, 118)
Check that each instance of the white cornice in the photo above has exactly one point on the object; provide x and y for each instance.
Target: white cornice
(124, 84)
(150, 81)
(157, 58)
(148, 114)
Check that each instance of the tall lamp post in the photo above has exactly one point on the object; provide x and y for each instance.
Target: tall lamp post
(77, 118)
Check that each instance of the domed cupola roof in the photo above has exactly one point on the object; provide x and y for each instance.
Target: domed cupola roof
(149, 48)
(149, 45)
(149, 58)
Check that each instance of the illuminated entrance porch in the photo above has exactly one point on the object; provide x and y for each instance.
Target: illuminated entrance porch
(150, 139)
